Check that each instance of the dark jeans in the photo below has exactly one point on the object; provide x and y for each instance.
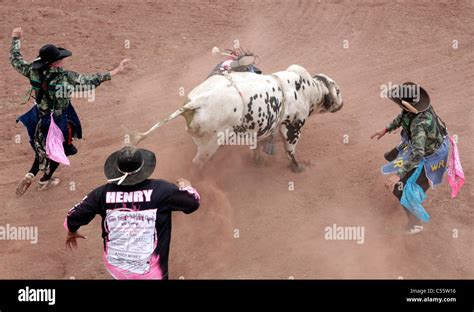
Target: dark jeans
(398, 190)
(52, 168)
(69, 149)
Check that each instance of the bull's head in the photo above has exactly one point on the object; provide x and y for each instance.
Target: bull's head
(332, 98)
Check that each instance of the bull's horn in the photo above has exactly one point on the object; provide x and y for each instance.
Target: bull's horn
(216, 51)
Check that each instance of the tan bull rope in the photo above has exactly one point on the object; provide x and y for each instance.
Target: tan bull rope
(233, 84)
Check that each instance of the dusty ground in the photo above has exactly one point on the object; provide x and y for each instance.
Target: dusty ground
(280, 232)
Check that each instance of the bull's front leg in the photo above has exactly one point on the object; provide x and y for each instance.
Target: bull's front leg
(290, 132)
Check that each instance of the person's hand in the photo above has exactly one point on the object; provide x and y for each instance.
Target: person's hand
(17, 32)
(379, 134)
(123, 64)
(391, 182)
(182, 183)
(71, 240)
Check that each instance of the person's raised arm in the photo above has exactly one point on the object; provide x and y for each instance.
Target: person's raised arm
(16, 59)
(120, 68)
(95, 80)
(397, 122)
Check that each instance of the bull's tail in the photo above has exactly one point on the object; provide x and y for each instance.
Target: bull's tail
(136, 137)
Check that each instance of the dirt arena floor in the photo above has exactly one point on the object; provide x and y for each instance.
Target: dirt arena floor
(250, 224)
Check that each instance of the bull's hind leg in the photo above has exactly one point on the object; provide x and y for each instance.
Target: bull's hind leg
(291, 134)
(269, 145)
(207, 147)
(257, 155)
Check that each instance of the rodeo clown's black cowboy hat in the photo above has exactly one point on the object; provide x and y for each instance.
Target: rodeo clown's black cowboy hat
(49, 53)
(410, 97)
(129, 166)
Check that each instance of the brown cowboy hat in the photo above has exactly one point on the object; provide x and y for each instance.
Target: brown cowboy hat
(410, 95)
(129, 166)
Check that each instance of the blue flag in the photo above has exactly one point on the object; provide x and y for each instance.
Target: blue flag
(413, 196)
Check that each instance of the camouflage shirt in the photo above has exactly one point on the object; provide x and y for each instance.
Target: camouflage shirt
(64, 82)
(423, 134)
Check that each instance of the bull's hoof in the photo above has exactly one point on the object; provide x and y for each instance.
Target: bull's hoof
(297, 168)
(269, 148)
(258, 161)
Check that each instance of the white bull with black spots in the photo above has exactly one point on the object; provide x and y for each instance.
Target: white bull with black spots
(257, 105)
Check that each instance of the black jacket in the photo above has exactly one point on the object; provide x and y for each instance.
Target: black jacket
(149, 194)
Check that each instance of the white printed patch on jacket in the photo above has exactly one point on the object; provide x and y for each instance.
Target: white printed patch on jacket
(132, 239)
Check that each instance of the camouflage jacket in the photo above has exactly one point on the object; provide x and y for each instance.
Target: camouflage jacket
(64, 82)
(423, 133)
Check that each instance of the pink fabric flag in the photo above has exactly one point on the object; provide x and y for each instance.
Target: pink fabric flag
(54, 144)
(455, 172)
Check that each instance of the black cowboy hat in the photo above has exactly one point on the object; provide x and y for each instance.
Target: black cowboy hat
(411, 93)
(48, 54)
(129, 165)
